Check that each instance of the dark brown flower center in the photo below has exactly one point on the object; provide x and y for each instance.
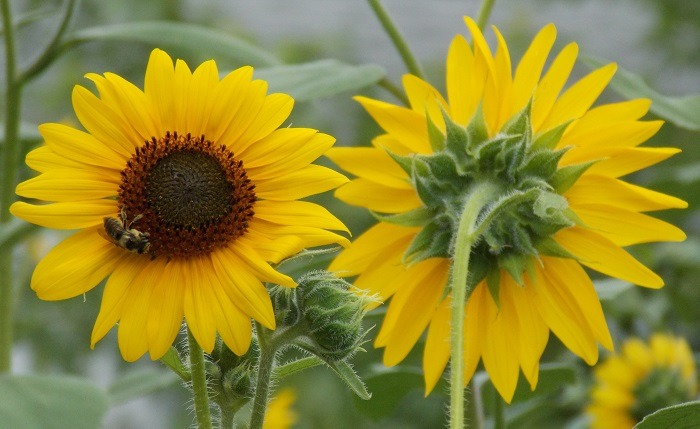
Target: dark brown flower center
(192, 194)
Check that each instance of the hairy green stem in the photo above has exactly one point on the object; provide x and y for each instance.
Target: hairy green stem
(10, 152)
(262, 384)
(396, 37)
(480, 196)
(199, 383)
(484, 13)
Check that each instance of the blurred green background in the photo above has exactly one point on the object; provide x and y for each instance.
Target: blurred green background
(656, 39)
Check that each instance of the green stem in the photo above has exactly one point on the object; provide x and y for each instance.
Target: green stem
(396, 37)
(479, 197)
(484, 13)
(262, 385)
(8, 161)
(199, 383)
(12, 108)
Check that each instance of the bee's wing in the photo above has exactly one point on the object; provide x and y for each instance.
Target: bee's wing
(103, 233)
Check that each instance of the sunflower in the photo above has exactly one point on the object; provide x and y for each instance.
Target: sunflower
(183, 194)
(279, 414)
(644, 378)
(532, 141)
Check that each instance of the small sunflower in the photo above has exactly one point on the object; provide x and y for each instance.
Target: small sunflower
(183, 194)
(279, 413)
(533, 142)
(644, 378)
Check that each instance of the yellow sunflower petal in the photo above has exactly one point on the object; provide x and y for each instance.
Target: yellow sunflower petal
(66, 215)
(597, 252)
(197, 305)
(580, 96)
(166, 309)
(409, 127)
(243, 288)
(414, 305)
(424, 98)
(253, 94)
(529, 70)
(205, 79)
(463, 89)
(560, 309)
(625, 227)
(618, 162)
(75, 266)
(371, 163)
(273, 113)
(69, 185)
(534, 332)
(551, 84)
(301, 213)
(261, 268)
(479, 314)
(437, 346)
(497, 99)
(227, 102)
(606, 135)
(158, 87)
(310, 180)
(129, 102)
(131, 334)
(103, 123)
(44, 159)
(285, 150)
(181, 85)
(374, 243)
(231, 323)
(596, 189)
(379, 198)
(383, 277)
(114, 296)
(500, 355)
(80, 147)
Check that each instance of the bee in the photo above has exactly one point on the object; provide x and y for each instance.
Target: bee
(121, 233)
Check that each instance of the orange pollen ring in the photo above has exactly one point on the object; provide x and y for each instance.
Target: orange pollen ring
(191, 194)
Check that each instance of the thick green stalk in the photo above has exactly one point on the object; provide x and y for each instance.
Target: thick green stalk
(466, 237)
(10, 152)
(262, 384)
(199, 383)
(484, 13)
(8, 156)
(396, 37)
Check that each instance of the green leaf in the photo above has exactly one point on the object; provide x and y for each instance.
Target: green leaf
(50, 402)
(345, 372)
(318, 79)
(141, 382)
(565, 177)
(683, 416)
(172, 360)
(390, 386)
(296, 366)
(190, 37)
(682, 111)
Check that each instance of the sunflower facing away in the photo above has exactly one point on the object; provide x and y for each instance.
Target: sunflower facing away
(183, 194)
(554, 158)
(644, 378)
(280, 414)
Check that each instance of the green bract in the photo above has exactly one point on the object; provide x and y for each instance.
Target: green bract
(527, 207)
